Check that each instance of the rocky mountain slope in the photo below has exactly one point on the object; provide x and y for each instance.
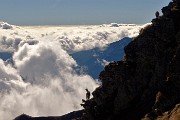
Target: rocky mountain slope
(146, 84)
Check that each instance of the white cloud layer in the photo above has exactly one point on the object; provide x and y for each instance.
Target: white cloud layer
(71, 38)
(51, 86)
(42, 80)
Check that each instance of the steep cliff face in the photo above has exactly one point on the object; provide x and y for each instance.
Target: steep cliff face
(147, 82)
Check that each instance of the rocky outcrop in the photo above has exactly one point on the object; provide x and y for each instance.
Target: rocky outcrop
(146, 83)
(173, 114)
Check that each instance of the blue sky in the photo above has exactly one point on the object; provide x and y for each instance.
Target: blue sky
(71, 12)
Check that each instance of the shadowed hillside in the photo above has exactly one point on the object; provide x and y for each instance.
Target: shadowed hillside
(147, 82)
(97, 58)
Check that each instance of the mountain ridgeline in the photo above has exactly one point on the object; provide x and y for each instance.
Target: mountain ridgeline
(94, 59)
(146, 83)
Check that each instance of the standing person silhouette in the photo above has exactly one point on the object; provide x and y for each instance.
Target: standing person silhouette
(157, 14)
(88, 94)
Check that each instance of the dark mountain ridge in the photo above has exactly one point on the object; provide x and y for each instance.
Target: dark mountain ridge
(146, 83)
(69, 116)
(95, 58)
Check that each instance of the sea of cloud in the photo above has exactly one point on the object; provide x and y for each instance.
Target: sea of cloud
(40, 80)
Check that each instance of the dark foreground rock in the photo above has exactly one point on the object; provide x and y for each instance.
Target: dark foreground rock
(146, 84)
